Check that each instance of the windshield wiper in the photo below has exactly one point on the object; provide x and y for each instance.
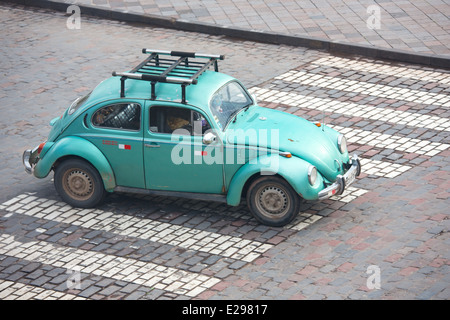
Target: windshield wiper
(245, 110)
(234, 114)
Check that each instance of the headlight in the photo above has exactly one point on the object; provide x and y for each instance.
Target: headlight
(342, 143)
(312, 175)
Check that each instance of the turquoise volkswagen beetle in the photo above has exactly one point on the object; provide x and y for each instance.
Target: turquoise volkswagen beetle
(175, 126)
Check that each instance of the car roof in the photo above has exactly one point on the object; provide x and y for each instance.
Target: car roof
(198, 95)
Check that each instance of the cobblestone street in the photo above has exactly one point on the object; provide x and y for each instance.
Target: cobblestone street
(394, 218)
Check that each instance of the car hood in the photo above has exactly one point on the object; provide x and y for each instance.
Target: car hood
(273, 129)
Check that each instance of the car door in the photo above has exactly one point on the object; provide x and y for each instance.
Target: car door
(175, 156)
(115, 127)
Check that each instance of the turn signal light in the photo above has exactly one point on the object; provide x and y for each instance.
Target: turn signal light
(286, 154)
(41, 146)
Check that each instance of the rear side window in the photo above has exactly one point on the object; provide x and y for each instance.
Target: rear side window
(125, 116)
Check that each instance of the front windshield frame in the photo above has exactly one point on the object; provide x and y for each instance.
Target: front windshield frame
(227, 102)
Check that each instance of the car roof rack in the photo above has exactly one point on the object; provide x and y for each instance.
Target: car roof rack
(160, 69)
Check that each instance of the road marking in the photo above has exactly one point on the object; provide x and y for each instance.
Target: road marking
(349, 194)
(382, 169)
(125, 269)
(10, 290)
(394, 142)
(378, 90)
(352, 109)
(304, 220)
(161, 232)
(386, 69)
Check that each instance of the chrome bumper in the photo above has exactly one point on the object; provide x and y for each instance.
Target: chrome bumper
(26, 161)
(342, 181)
(29, 158)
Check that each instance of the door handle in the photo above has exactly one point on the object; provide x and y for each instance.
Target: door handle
(151, 145)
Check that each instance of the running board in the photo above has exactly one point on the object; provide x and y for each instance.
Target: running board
(177, 194)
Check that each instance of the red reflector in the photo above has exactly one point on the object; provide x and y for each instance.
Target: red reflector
(333, 191)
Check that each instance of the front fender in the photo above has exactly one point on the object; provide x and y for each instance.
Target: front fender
(294, 170)
(79, 147)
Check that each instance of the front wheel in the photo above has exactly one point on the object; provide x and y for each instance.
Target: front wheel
(79, 183)
(272, 201)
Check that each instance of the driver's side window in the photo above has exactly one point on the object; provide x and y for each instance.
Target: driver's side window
(166, 119)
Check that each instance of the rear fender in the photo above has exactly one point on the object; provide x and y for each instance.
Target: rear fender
(79, 147)
(294, 170)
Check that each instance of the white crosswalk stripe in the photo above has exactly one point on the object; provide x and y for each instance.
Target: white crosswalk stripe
(125, 269)
(10, 290)
(349, 194)
(304, 220)
(385, 69)
(125, 225)
(382, 168)
(395, 142)
(352, 109)
(367, 88)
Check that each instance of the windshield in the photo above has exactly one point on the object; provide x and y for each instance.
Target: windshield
(227, 102)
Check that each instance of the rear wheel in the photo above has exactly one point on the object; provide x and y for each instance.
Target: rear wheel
(272, 201)
(79, 183)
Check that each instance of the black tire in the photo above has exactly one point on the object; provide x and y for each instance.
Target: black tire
(272, 201)
(79, 183)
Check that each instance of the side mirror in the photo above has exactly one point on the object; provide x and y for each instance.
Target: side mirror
(209, 138)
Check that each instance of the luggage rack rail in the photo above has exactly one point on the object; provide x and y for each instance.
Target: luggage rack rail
(161, 69)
